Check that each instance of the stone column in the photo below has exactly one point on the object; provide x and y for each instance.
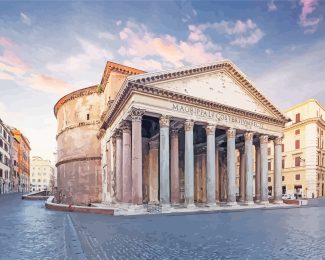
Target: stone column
(189, 163)
(231, 166)
(211, 151)
(174, 166)
(153, 171)
(127, 165)
(137, 195)
(249, 168)
(217, 175)
(277, 170)
(264, 169)
(242, 174)
(164, 161)
(118, 165)
(257, 173)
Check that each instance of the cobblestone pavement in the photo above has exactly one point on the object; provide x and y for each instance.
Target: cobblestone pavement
(29, 231)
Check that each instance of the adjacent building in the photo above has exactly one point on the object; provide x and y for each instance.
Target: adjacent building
(303, 152)
(6, 183)
(23, 167)
(168, 137)
(41, 174)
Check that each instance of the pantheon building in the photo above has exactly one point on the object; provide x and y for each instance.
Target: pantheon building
(191, 136)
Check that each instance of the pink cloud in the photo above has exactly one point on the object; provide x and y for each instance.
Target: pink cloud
(13, 68)
(47, 84)
(308, 7)
(140, 43)
(4, 42)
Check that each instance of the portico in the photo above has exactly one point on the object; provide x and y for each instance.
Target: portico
(177, 135)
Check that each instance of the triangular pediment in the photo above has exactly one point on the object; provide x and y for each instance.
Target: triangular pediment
(216, 87)
(220, 82)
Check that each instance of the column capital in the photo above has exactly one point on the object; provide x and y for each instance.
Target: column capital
(278, 141)
(125, 126)
(164, 121)
(188, 125)
(117, 133)
(231, 133)
(264, 139)
(136, 114)
(210, 129)
(248, 136)
(154, 144)
(174, 132)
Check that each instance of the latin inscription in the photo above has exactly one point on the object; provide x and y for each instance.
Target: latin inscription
(219, 118)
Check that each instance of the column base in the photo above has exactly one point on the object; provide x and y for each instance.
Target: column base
(165, 208)
(190, 206)
(264, 202)
(249, 203)
(211, 205)
(232, 203)
(278, 202)
(138, 209)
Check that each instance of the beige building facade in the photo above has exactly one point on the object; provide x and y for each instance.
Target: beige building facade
(303, 151)
(168, 138)
(41, 174)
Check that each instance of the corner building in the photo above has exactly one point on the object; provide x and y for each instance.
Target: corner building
(303, 152)
(169, 137)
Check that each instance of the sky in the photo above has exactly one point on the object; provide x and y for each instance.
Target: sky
(48, 49)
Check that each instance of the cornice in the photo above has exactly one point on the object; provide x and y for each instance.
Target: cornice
(78, 159)
(318, 120)
(80, 124)
(226, 65)
(141, 83)
(170, 95)
(122, 69)
(73, 95)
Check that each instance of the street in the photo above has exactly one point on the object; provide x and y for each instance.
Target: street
(29, 231)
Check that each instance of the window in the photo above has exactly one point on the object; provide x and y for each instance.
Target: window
(268, 151)
(297, 144)
(298, 118)
(283, 163)
(297, 161)
(88, 116)
(269, 166)
(269, 179)
(282, 178)
(283, 148)
(297, 177)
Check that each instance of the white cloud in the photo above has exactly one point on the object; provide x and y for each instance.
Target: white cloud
(295, 79)
(268, 51)
(244, 33)
(81, 62)
(251, 39)
(106, 36)
(271, 6)
(118, 22)
(25, 19)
